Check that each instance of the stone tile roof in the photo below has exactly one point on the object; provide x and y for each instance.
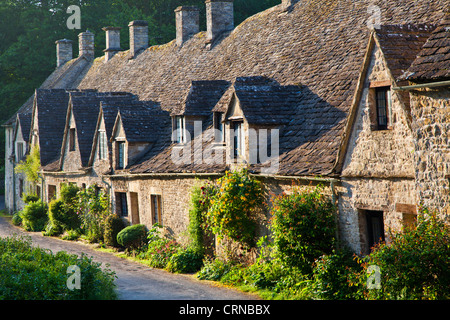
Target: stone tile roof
(201, 98)
(85, 107)
(319, 45)
(263, 101)
(401, 44)
(51, 108)
(25, 125)
(144, 122)
(433, 62)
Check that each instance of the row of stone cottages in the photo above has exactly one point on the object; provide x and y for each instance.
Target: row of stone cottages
(363, 111)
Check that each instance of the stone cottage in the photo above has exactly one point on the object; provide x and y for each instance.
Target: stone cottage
(339, 93)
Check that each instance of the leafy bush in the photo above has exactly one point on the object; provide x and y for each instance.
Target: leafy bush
(303, 227)
(93, 208)
(333, 275)
(16, 219)
(30, 197)
(214, 270)
(34, 216)
(415, 265)
(185, 261)
(133, 237)
(113, 225)
(159, 249)
(29, 273)
(233, 207)
(62, 217)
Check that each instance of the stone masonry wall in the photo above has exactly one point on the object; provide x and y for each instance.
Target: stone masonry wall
(431, 126)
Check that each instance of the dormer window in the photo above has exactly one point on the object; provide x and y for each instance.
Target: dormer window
(219, 131)
(120, 154)
(72, 139)
(238, 138)
(179, 125)
(20, 151)
(384, 107)
(102, 145)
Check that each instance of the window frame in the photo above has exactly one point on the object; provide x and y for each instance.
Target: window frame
(121, 204)
(102, 145)
(383, 93)
(72, 144)
(180, 127)
(156, 199)
(238, 139)
(120, 161)
(219, 126)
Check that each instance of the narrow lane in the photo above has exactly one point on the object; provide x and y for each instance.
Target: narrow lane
(134, 281)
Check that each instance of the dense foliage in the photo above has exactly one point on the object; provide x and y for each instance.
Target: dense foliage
(303, 227)
(34, 216)
(61, 212)
(416, 265)
(233, 206)
(29, 273)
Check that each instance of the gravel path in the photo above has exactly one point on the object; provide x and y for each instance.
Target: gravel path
(135, 281)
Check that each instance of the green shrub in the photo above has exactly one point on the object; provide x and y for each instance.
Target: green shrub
(62, 216)
(232, 207)
(415, 265)
(214, 270)
(185, 261)
(303, 227)
(333, 275)
(16, 219)
(34, 216)
(133, 237)
(29, 197)
(113, 225)
(30, 273)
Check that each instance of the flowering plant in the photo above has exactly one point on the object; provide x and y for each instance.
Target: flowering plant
(232, 206)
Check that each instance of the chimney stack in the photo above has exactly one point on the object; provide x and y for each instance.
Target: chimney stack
(138, 36)
(287, 4)
(219, 18)
(112, 42)
(187, 23)
(64, 52)
(86, 44)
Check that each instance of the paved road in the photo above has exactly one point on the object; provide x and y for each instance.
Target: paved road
(136, 281)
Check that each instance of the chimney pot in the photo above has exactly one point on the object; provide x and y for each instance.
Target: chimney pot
(219, 18)
(138, 36)
(187, 23)
(64, 51)
(112, 42)
(86, 44)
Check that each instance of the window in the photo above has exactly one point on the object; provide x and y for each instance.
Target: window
(102, 145)
(120, 155)
(121, 204)
(20, 151)
(383, 107)
(51, 192)
(218, 126)
(375, 227)
(179, 129)
(238, 145)
(156, 209)
(72, 139)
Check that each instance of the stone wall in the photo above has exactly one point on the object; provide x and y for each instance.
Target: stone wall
(431, 113)
(378, 171)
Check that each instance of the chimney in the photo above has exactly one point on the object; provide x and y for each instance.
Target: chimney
(63, 52)
(219, 18)
(287, 4)
(112, 42)
(187, 23)
(86, 44)
(138, 36)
